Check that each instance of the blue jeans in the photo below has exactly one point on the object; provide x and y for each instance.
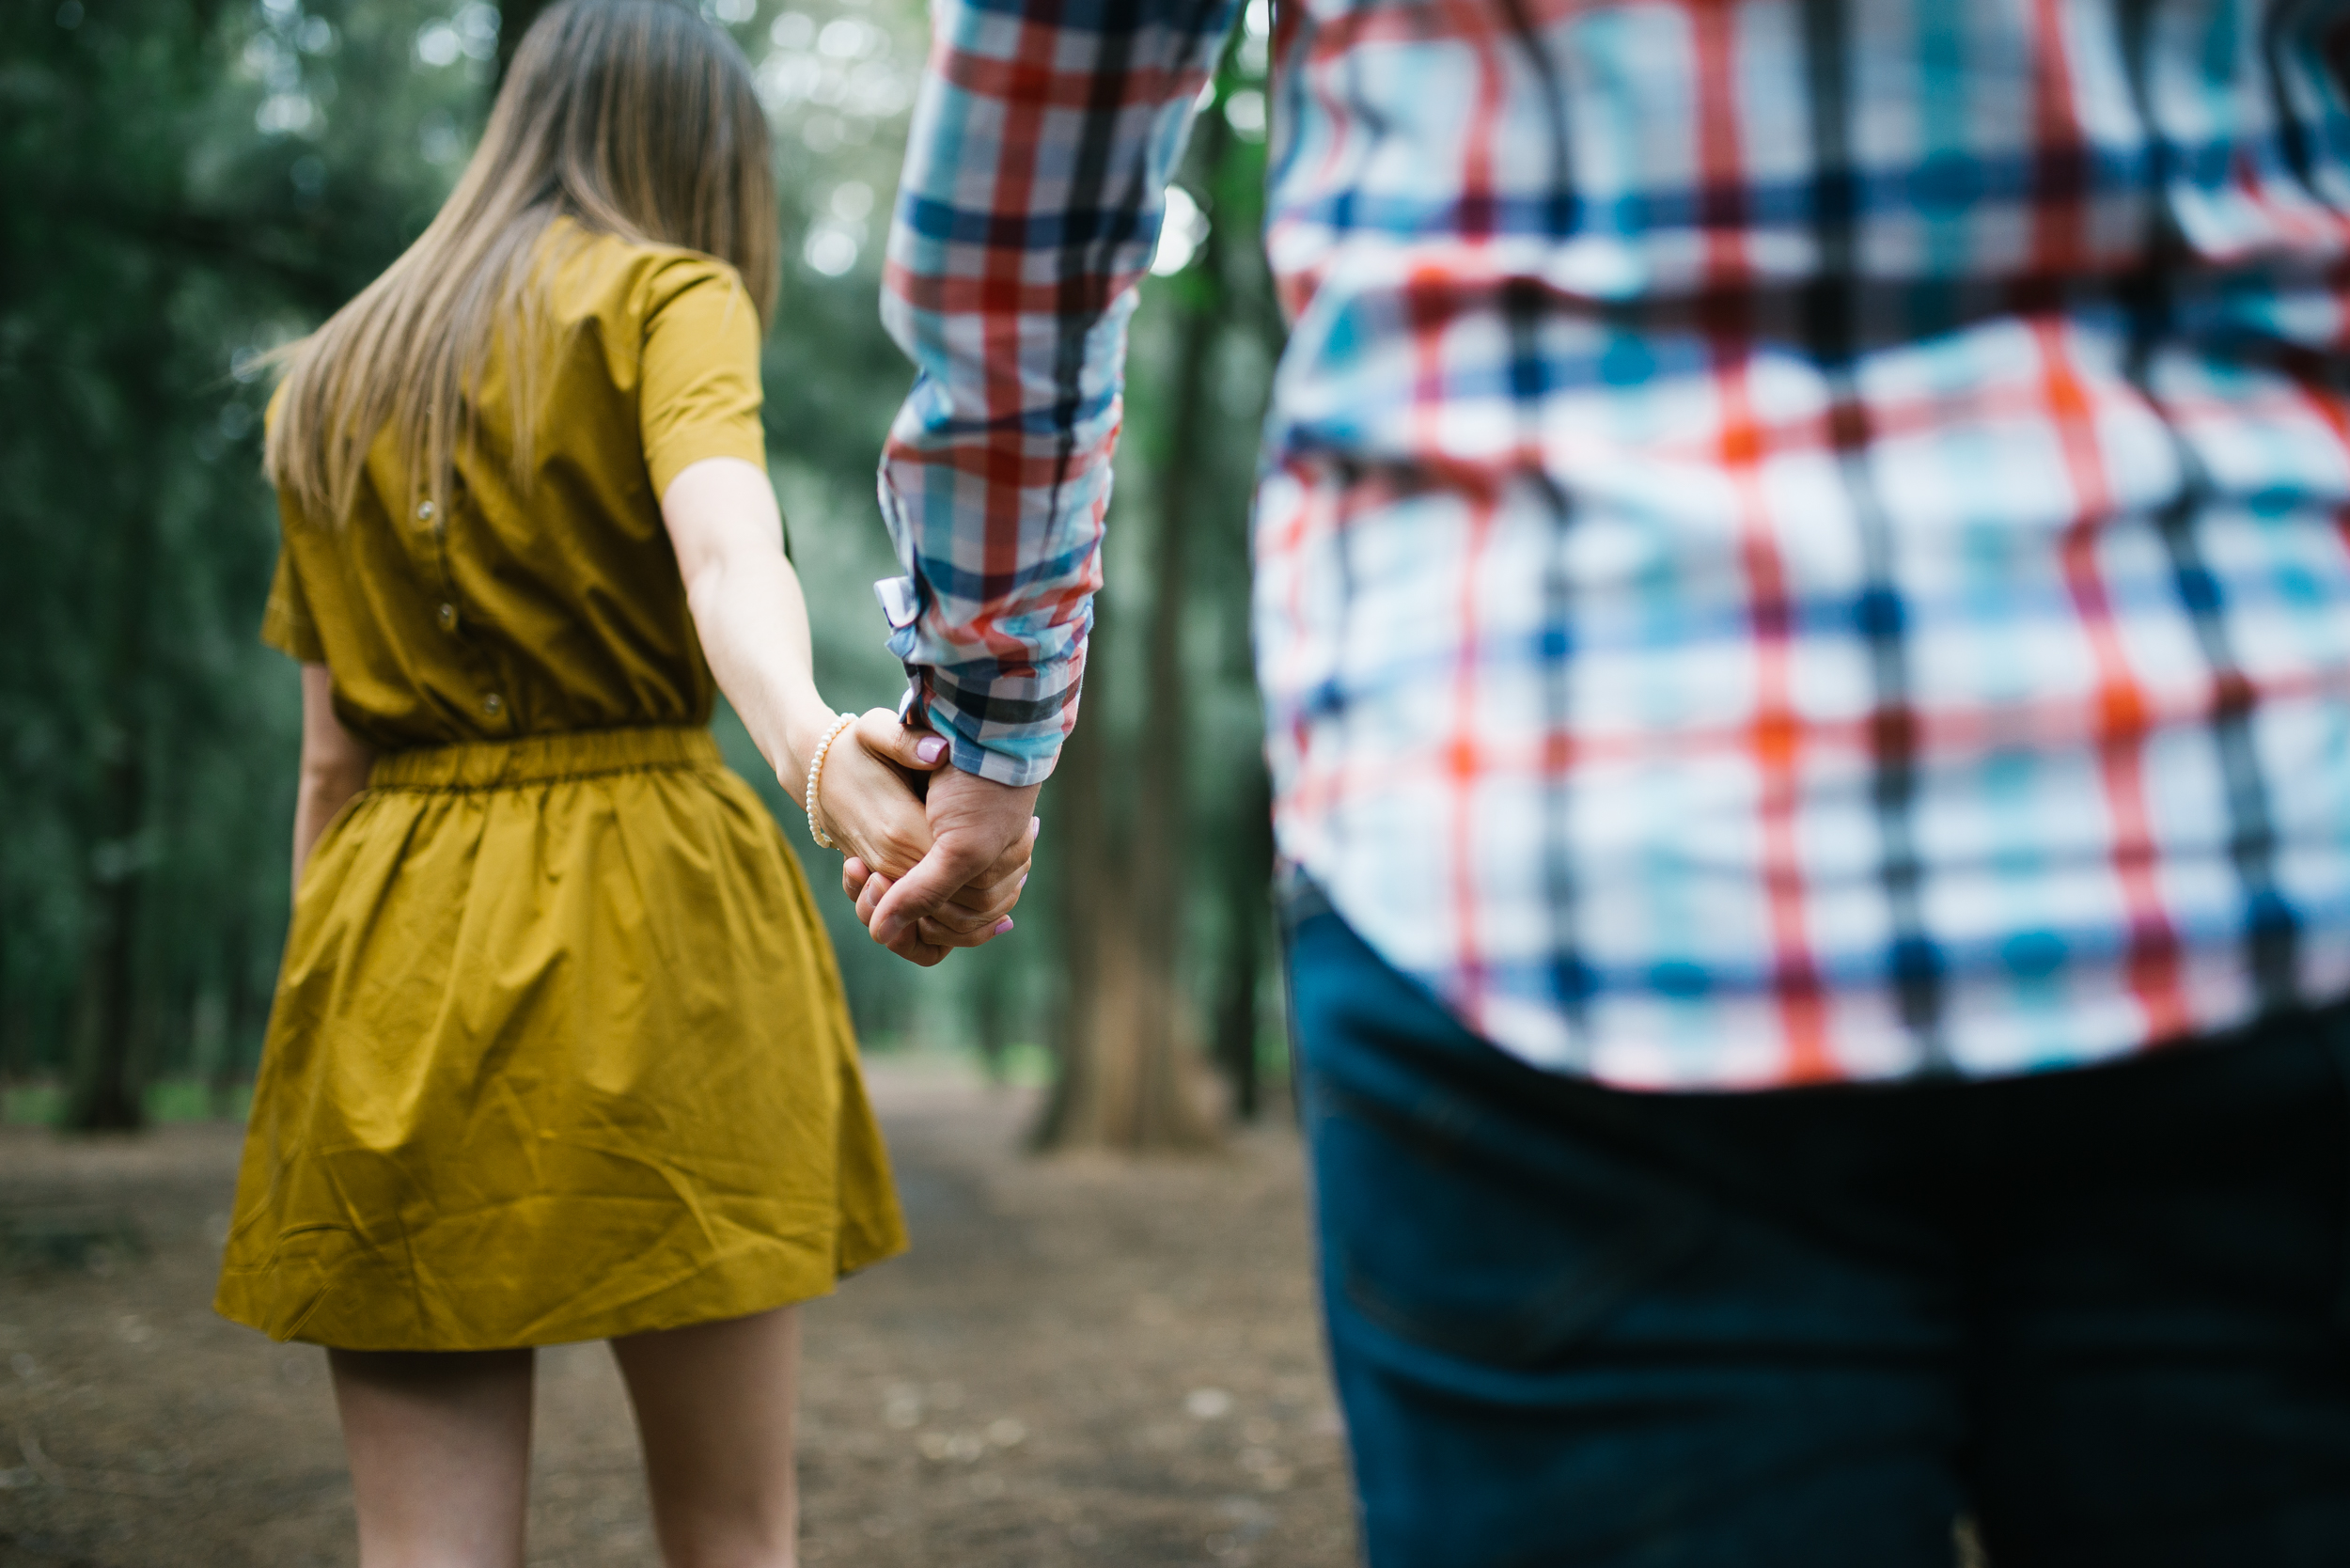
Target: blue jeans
(2107, 1312)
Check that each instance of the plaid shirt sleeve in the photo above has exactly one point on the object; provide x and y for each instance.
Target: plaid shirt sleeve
(1044, 136)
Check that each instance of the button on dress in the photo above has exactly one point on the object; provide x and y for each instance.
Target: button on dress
(559, 1050)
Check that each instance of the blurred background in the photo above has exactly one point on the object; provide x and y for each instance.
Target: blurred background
(192, 182)
(1105, 1357)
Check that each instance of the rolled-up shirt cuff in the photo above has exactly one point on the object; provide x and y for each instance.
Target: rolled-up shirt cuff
(1009, 739)
(1006, 756)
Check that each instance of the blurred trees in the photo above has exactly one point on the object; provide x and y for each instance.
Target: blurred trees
(1139, 1012)
(186, 180)
(193, 182)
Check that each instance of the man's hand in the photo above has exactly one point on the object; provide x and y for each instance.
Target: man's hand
(962, 892)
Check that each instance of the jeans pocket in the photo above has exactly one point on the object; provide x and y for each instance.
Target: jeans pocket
(1488, 1240)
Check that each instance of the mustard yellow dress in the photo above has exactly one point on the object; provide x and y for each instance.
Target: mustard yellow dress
(559, 1051)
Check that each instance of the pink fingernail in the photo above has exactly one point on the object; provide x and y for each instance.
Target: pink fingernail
(1003, 925)
(1024, 879)
(931, 750)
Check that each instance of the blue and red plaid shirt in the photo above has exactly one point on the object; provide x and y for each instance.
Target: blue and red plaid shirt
(1800, 539)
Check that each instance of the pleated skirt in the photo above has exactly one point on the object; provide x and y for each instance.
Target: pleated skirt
(559, 1052)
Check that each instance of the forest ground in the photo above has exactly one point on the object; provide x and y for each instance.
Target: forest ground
(1083, 1361)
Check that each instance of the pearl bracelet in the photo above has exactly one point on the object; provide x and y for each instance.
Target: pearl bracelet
(816, 771)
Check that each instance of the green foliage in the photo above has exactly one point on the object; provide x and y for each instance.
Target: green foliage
(192, 182)
(188, 183)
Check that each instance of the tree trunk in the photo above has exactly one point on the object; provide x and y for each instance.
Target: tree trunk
(227, 1019)
(249, 1004)
(12, 1022)
(1131, 1069)
(1247, 906)
(106, 1091)
(1073, 803)
(1168, 1112)
(514, 20)
(1119, 1085)
(991, 1011)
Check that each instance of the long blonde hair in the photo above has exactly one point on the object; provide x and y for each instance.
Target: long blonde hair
(634, 118)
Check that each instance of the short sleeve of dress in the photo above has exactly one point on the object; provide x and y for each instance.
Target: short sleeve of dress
(699, 395)
(286, 623)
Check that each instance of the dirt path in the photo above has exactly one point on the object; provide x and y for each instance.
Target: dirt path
(1082, 1362)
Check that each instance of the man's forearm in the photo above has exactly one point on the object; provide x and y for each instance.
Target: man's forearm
(1010, 284)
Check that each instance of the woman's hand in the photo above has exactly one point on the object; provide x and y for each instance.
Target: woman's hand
(866, 796)
(866, 802)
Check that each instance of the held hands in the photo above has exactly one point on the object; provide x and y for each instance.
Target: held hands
(956, 862)
(868, 798)
(961, 893)
(942, 874)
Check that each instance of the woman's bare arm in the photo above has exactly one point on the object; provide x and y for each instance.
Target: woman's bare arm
(334, 766)
(747, 607)
(753, 622)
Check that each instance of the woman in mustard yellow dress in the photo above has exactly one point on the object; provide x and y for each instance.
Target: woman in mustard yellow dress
(559, 1051)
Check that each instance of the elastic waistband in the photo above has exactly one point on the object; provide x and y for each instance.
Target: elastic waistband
(541, 758)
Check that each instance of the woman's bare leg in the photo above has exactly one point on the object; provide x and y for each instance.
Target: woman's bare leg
(714, 1405)
(440, 1454)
